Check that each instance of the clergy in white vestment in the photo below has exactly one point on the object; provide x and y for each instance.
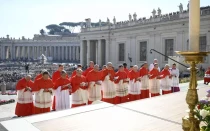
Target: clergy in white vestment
(151, 66)
(175, 78)
(62, 86)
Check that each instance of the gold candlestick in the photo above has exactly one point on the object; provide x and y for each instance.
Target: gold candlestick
(190, 122)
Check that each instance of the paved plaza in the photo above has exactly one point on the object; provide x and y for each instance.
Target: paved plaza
(166, 111)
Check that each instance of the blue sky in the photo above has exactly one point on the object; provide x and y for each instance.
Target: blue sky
(26, 17)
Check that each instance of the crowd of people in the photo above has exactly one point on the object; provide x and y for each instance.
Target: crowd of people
(92, 85)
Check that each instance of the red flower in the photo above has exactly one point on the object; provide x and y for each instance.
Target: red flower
(198, 106)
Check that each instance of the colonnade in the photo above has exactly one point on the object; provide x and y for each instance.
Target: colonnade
(34, 52)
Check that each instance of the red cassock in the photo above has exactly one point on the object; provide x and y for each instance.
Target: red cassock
(104, 73)
(42, 84)
(87, 71)
(56, 75)
(24, 106)
(143, 73)
(164, 73)
(126, 71)
(133, 77)
(38, 77)
(93, 76)
(74, 73)
(75, 82)
(121, 90)
(207, 78)
(155, 86)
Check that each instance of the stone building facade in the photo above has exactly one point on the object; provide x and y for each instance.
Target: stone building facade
(131, 41)
(56, 48)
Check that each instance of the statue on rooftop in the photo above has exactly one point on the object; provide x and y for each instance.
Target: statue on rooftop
(188, 6)
(153, 13)
(108, 21)
(130, 17)
(159, 11)
(135, 16)
(180, 8)
(114, 20)
(100, 22)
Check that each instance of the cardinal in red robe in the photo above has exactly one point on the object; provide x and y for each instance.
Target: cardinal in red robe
(108, 85)
(62, 86)
(56, 75)
(207, 76)
(125, 68)
(91, 65)
(143, 72)
(122, 83)
(166, 81)
(25, 106)
(79, 90)
(154, 82)
(134, 88)
(79, 66)
(94, 85)
(43, 94)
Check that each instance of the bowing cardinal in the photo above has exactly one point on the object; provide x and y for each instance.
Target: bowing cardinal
(62, 86)
(165, 82)
(134, 88)
(144, 85)
(94, 84)
(25, 106)
(122, 83)
(43, 94)
(154, 81)
(108, 85)
(79, 89)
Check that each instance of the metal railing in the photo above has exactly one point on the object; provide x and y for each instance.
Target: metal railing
(167, 57)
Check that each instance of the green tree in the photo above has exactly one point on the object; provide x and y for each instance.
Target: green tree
(54, 28)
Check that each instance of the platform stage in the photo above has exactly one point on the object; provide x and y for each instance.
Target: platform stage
(162, 113)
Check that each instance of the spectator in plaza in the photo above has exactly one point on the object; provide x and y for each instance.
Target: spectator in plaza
(24, 89)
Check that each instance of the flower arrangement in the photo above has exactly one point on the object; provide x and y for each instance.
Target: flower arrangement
(203, 112)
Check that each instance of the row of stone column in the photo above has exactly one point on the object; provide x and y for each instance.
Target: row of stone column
(34, 52)
(94, 50)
